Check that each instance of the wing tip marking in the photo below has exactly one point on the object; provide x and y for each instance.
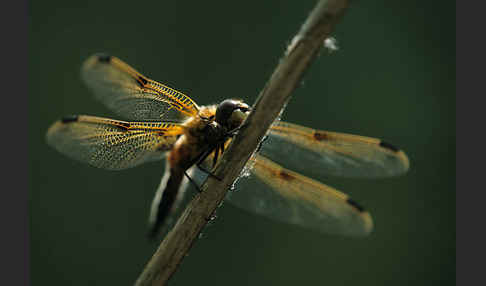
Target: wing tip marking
(354, 204)
(389, 146)
(366, 220)
(69, 118)
(103, 57)
(401, 155)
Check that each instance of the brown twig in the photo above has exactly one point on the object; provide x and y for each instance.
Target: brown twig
(270, 103)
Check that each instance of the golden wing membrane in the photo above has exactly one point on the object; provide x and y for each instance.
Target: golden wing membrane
(112, 144)
(131, 94)
(319, 152)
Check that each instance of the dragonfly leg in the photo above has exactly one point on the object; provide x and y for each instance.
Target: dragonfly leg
(202, 168)
(193, 182)
(216, 155)
(234, 131)
(200, 161)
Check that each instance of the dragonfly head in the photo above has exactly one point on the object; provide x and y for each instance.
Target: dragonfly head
(231, 113)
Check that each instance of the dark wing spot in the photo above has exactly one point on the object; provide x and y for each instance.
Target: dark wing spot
(70, 118)
(142, 80)
(103, 58)
(355, 205)
(320, 136)
(285, 176)
(389, 146)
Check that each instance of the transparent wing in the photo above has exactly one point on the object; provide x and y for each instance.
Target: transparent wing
(319, 152)
(272, 191)
(286, 196)
(131, 94)
(112, 144)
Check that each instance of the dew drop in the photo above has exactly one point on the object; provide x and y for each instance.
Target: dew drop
(331, 44)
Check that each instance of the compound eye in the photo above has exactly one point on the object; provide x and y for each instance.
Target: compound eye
(224, 110)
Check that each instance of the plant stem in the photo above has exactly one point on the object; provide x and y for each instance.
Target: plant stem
(270, 103)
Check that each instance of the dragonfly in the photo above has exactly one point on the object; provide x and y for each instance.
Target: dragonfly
(165, 123)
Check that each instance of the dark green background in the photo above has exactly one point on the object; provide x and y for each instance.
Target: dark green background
(393, 78)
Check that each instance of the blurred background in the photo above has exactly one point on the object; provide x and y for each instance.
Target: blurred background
(392, 78)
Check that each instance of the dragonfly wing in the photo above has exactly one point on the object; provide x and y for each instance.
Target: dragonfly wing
(287, 196)
(131, 94)
(112, 144)
(272, 191)
(319, 152)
